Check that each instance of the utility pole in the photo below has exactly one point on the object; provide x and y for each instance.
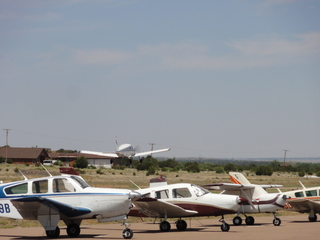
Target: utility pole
(285, 154)
(7, 135)
(152, 145)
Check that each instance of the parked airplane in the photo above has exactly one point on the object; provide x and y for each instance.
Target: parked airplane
(164, 201)
(259, 200)
(68, 198)
(305, 200)
(125, 150)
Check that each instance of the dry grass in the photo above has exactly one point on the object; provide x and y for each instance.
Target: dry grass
(121, 179)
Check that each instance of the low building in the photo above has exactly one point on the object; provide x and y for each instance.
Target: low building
(24, 155)
(94, 160)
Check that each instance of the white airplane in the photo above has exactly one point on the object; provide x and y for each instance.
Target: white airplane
(164, 201)
(125, 150)
(305, 200)
(66, 197)
(259, 200)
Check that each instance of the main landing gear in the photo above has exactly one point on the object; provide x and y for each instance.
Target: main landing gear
(237, 220)
(181, 225)
(73, 231)
(165, 226)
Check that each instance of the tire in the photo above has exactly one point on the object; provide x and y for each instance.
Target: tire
(249, 220)
(165, 226)
(237, 221)
(181, 225)
(127, 233)
(73, 230)
(313, 219)
(53, 233)
(276, 221)
(225, 227)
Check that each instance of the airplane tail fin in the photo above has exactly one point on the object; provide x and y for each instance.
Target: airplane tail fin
(238, 178)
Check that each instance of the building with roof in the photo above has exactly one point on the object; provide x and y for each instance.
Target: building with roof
(24, 155)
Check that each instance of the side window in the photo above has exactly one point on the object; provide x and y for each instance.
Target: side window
(162, 194)
(40, 186)
(312, 193)
(17, 189)
(299, 194)
(181, 193)
(62, 185)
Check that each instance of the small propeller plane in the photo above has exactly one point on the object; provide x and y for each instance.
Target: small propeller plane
(66, 197)
(126, 151)
(305, 200)
(162, 200)
(259, 200)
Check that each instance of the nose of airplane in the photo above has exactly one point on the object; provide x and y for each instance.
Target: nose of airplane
(242, 200)
(134, 195)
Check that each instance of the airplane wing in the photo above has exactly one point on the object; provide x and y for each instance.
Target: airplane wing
(304, 205)
(113, 155)
(151, 152)
(228, 186)
(31, 207)
(153, 207)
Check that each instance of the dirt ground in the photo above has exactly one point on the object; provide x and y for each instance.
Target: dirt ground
(292, 227)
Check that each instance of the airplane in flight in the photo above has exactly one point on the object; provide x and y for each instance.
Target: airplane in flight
(68, 198)
(126, 151)
(259, 200)
(305, 200)
(162, 200)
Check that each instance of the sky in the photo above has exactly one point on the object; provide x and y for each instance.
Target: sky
(209, 79)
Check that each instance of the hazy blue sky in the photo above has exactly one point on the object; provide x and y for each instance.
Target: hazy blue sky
(229, 79)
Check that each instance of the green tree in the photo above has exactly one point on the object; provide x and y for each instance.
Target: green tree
(81, 162)
(264, 170)
(193, 167)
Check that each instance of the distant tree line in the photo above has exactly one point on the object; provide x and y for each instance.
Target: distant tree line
(153, 165)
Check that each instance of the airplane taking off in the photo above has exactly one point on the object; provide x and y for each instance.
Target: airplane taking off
(179, 200)
(68, 198)
(259, 200)
(125, 150)
(305, 200)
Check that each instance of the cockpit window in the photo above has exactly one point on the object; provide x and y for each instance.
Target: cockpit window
(299, 194)
(62, 185)
(81, 182)
(40, 186)
(181, 193)
(163, 194)
(199, 191)
(17, 189)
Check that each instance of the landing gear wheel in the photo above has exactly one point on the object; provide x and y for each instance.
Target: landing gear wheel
(53, 233)
(127, 233)
(73, 230)
(165, 226)
(249, 220)
(181, 225)
(237, 221)
(276, 221)
(225, 227)
(313, 218)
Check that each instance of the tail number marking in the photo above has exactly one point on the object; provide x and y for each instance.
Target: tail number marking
(4, 208)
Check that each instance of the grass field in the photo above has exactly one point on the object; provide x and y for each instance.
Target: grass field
(121, 179)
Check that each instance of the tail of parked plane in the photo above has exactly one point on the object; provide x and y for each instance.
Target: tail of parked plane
(238, 178)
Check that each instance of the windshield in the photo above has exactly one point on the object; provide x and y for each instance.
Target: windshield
(199, 191)
(81, 182)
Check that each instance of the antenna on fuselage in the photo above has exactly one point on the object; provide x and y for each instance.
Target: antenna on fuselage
(134, 184)
(25, 178)
(46, 169)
